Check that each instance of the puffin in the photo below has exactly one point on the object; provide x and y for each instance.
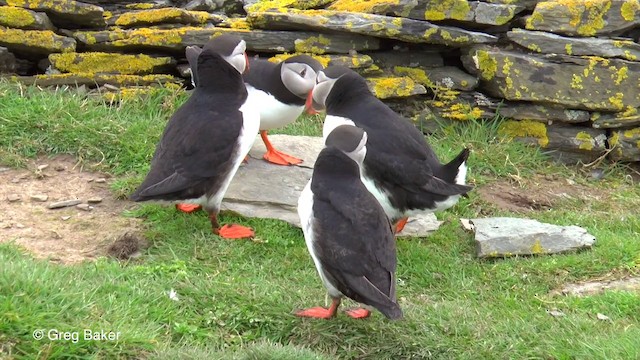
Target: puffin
(278, 90)
(207, 138)
(348, 234)
(400, 169)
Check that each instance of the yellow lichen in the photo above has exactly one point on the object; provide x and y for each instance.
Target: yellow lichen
(282, 5)
(629, 112)
(322, 59)
(140, 6)
(313, 44)
(37, 38)
(534, 47)
(364, 6)
(447, 9)
(537, 248)
(620, 75)
(585, 140)
(388, 87)
(628, 9)
(576, 82)
(616, 101)
(154, 16)
(418, 75)
(587, 17)
(16, 17)
(525, 128)
(568, 49)
(629, 56)
(460, 111)
(237, 23)
(487, 64)
(94, 62)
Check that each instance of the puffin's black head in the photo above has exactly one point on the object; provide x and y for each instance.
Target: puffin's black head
(298, 74)
(349, 139)
(231, 48)
(336, 82)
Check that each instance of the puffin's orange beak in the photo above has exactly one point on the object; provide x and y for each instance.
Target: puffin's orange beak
(308, 105)
(246, 59)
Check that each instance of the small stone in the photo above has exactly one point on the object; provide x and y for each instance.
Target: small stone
(40, 197)
(570, 182)
(13, 197)
(42, 167)
(65, 218)
(90, 180)
(64, 203)
(19, 226)
(101, 180)
(94, 200)
(555, 313)
(602, 317)
(466, 224)
(3, 169)
(85, 207)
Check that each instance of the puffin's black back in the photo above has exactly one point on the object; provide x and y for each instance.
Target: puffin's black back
(265, 75)
(198, 144)
(398, 155)
(353, 237)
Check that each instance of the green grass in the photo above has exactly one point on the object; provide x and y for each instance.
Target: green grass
(235, 299)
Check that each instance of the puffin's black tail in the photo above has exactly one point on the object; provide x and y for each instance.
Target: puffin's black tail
(391, 312)
(451, 169)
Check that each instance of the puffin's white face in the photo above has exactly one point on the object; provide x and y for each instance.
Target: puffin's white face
(238, 58)
(298, 78)
(321, 91)
(360, 152)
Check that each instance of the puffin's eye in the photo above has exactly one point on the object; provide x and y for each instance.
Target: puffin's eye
(303, 72)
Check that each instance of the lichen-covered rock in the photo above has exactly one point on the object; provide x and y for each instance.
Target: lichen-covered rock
(163, 16)
(544, 113)
(138, 93)
(584, 18)
(461, 10)
(548, 43)
(630, 117)
(35, 42)
(176, 40)
(356, 61)
(235, 23)
(586, 144)
(110, 63)
(409, 30)
(8, 63)
(267, 5)
(19, 18)
(65, 13)
(389, 59)
(93, 80)
(394, 87)
(626, 144)
(527, 4)
(449, 77)
(590, 83)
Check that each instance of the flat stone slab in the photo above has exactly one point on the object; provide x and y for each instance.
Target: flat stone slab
(626, 144)
(504, 236)
(65, 13)
(19, 18)
(264, 190)
(35, 42)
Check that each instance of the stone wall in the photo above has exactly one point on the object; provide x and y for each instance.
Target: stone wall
(563, 72)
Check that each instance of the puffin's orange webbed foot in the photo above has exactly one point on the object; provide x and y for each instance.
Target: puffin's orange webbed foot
(316, 312)
(279, 158)
(188, 208)
(235, 231)
(401, 224)
(358, 313)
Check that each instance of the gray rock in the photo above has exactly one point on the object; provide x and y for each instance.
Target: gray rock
(589, 83)
(40, 197)
(582, 18)
(93, 80)
(151, 17)
(84, 207)
(543, 113)
(494, 14)
(548, 43)
(527, 4)
(8, 63)
(451, 77)
(101, 180)
(64, 203)
(626, 144)
(616, 120)
(404, 57)
(94, 200)
(19, 18)
(13, 197)
(176, 40)
(201, 5)
(503, 236)
(280, 186)
(409, 30)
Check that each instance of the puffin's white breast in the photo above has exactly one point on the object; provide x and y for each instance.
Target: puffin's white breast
(273, 113)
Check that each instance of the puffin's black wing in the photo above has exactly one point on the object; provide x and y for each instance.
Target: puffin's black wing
(262, 74)
(197, 145)
(355, 243)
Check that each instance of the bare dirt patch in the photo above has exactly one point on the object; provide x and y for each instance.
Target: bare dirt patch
(70, 234)
(536, 193)
(630, 284)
